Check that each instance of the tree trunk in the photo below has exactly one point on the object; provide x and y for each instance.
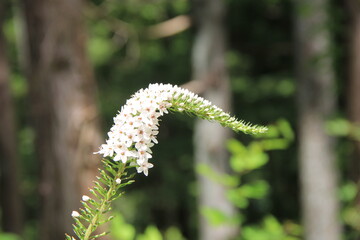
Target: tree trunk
(316, 102)
(10, 199)
(210, 138)
(353, 101)
(65, 115)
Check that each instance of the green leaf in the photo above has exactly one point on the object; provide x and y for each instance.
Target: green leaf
(256, 190)
(173, 233)
(348, 192)
(180, 6)
(9, 236)
(100, 50)
(214, 216)
(338, 127)
(272, 225)
(275, 144)
(351, 216)
(286, 129)
(151, 233)
(240, 196)
(247, 159)
(236, 147)
(224, 179)
(238, 199)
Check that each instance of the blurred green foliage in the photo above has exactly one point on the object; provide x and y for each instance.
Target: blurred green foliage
(271, 229)
(350, 210)
(120, 230)
(245, 160)
(8, 236)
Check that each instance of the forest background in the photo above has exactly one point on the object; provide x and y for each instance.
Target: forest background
(67, 66)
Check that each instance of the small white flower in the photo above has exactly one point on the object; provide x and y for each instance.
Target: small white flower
(124, 156)
(143, 145)
(143, 167)
(75, 214)
(143, 156)
(85, 198)
(118, 180)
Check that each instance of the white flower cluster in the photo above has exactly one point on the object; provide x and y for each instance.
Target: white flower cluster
(136, 126)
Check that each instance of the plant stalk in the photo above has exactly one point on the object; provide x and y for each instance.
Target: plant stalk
(104, 204)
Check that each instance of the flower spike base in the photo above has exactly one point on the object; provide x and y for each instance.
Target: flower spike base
(129, 145)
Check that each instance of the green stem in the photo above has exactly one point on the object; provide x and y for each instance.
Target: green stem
(104, 204)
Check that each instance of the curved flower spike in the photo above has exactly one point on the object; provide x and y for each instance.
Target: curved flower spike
(136, 126)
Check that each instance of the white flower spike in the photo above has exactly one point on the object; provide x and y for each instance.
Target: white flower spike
(136, 126)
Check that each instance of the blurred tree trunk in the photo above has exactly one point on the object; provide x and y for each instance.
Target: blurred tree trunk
(353, 103)
(10, 199)
(210, 138)
(65, 115)
(316, 102)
